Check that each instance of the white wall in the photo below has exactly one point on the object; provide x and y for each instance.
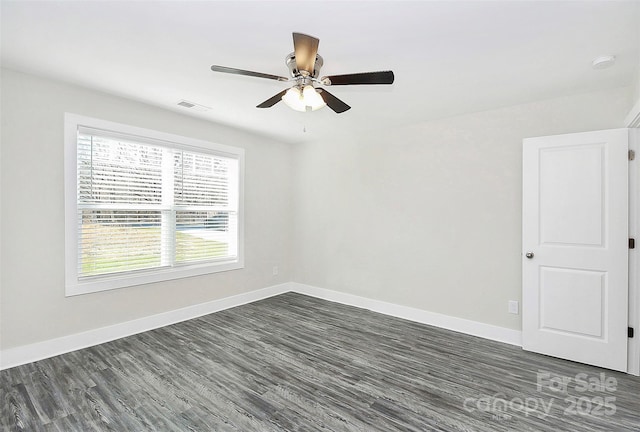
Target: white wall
(636, 93)
(33, 306)
(632, 117)
(1, 126)
(636, 81)
(429, 215)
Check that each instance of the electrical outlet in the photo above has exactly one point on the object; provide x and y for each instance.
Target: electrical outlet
(275, 270)
(513, 307)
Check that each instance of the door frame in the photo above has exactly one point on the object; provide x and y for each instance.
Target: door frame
(633, 350)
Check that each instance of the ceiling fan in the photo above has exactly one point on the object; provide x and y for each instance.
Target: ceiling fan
(304, 65)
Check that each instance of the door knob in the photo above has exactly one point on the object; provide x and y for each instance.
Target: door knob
(529, 255)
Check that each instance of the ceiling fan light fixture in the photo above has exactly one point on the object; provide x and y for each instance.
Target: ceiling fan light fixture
(306, 100)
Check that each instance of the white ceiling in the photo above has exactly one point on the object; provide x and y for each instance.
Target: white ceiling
(449, 57)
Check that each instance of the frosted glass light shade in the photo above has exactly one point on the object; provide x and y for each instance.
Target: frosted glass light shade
(306, 100)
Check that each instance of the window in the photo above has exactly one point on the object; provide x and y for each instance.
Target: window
(144, 206)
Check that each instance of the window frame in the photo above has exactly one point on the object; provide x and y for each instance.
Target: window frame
(76, 286)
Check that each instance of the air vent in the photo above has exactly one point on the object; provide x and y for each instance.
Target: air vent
(193, 106)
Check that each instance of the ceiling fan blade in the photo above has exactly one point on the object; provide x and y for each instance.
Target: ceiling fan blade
(235, 71)
(383, 77)
(272, 100)
(333, 102)
(305, 49)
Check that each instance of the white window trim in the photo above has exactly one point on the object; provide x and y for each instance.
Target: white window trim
(74, 286)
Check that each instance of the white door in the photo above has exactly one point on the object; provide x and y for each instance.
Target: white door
(575, 247)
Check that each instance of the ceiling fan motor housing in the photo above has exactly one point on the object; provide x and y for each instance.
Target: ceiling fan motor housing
(295, 72)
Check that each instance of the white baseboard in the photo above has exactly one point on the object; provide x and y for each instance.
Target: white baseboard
(461, 325)
(29, 353)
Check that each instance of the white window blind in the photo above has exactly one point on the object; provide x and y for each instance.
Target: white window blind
(147, 205)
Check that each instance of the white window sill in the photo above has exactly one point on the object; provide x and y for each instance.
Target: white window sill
(103, 283)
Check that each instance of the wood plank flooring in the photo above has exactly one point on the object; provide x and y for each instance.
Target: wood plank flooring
(296, 363)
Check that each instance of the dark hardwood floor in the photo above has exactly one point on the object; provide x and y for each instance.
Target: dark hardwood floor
(296, 363)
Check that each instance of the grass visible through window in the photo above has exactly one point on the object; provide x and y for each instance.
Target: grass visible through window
(108, 248)
(191, 247)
